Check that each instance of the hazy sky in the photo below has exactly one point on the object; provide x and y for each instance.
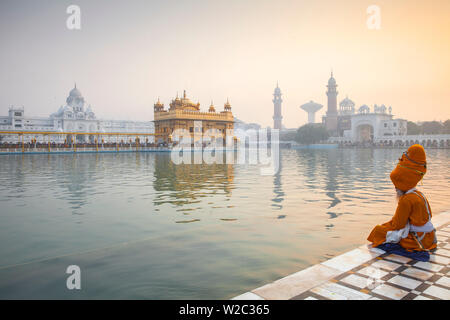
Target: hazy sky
(128, 53)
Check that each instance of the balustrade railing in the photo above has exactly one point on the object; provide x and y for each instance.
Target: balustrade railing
(80, 149)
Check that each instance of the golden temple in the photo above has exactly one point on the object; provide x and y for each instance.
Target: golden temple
(185, 114)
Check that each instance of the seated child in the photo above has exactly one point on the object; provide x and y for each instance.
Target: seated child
(411, 226)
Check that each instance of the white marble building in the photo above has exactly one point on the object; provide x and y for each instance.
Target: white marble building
(348, 125)
(71, 117)
(380, 127)
(369, 126)
(366, 125)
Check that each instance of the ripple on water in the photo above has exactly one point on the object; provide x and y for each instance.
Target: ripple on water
(243, 228)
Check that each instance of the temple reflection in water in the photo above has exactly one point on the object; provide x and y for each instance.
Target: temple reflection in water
(279, 194)
(181, 184)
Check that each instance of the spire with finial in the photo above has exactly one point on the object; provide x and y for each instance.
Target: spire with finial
(332, 81)
(184, 94)
(277, 91)
(158, 105)
(211, 107)
(227, 106)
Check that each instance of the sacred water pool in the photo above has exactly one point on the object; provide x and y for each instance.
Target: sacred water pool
(140, 226)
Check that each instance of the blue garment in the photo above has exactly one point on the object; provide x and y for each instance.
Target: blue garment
(398, 249)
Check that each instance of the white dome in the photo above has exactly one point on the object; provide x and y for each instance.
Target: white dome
(75, 92)
(364, 109)
(347, 103)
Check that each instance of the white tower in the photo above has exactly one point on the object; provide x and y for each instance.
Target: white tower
(311, 107)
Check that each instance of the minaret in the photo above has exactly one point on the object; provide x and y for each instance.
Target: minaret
(277, 117)
(331, 119)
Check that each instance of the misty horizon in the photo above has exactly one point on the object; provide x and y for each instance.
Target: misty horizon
(126, 55)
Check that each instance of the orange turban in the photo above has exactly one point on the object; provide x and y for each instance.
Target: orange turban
(410, 168)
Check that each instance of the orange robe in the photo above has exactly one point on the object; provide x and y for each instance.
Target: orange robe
(411, 207)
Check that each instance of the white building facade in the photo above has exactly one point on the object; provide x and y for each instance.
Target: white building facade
(350, 125)
(72, 117)
(380, 128)
(366, 125)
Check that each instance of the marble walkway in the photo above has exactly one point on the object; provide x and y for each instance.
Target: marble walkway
(367, 273)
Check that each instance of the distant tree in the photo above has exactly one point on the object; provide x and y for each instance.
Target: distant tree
(311, 133)
(432, 127)
(287, 135)
(412, 128)
(446, 127)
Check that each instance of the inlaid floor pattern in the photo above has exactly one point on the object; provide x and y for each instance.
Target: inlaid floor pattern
(390, 276)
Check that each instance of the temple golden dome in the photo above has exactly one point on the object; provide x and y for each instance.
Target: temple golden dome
(184, 103)
(187, 102)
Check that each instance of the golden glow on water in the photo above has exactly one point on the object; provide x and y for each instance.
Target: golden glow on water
(141, 227)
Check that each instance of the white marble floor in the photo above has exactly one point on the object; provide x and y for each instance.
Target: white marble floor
(369, 274)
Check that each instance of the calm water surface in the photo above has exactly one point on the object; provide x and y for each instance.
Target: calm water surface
(141, 227)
